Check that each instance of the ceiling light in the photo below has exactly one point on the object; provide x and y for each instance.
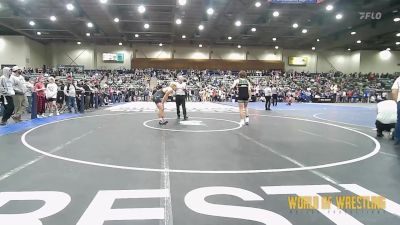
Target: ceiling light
(295, 25)
(38, 33)
(385, 55)
(120, 44)
(398, 43)
(276, 47)
(349, 49)
(397, 19)
(103, 1)
(90, 25)
(87, 34)
(313, 48)
(238, 23)
(32, 23)
(78, 42)
(353, 33)
(136, 35)
(339, 16)
(210, 11)
(275, 14)
(253, 29)
(53, 18)
(317, 39)
(329, 8)
(359, 42)
(178, 21)
(304, 31)
(116, 20)
(201, 27)
(183, 36)
(257, 4)
(200, 45)
(70, 7)
(273, 39)
(182, 2)
(239, 46)
(141, 9)
(161, 44)
(398, 34)
(146, 26)
(229, 38)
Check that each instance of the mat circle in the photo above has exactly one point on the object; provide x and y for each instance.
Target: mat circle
(358, 159)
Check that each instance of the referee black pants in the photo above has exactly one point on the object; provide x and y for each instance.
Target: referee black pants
(274, 100)
(181, 100)
(380, 127)
(267, 102)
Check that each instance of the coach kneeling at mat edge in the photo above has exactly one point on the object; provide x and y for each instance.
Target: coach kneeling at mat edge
(386, 118)
(181, 97)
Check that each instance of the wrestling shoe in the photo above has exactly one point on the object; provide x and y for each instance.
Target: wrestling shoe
(163, 122)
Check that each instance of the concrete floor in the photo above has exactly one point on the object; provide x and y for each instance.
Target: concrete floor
(205, 171)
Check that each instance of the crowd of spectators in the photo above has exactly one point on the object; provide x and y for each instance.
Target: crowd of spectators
(65, 91)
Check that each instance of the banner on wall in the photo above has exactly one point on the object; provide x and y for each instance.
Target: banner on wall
(298, 61)
(72, 68)
(7, 65)
(113, 57)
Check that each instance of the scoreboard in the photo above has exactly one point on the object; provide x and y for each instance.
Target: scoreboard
(113, 57)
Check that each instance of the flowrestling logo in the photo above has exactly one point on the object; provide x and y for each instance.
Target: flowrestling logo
(370, 15)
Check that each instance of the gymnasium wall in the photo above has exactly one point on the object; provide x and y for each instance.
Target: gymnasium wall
(202, 64)
(38, 54)
(71, 54)
(13, 50)
(23, 52)
(28, 53)
(372, 61)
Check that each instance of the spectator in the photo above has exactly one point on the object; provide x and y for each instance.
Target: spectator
(70, 94)
(396, 97)
(28, 94)
(51, 96)
(88, 92)
(6, 92)
(20, 102)
(41, 98)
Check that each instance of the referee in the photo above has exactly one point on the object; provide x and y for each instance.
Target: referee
(181, 97)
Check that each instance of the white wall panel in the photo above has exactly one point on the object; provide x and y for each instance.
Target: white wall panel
(13, 50)
(28, 53)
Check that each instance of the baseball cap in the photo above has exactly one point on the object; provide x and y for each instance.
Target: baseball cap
(15, 68)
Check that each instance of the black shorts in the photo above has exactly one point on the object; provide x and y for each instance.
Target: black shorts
(243, 100)
(158, 96)
(50, 99)
(60, 98)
